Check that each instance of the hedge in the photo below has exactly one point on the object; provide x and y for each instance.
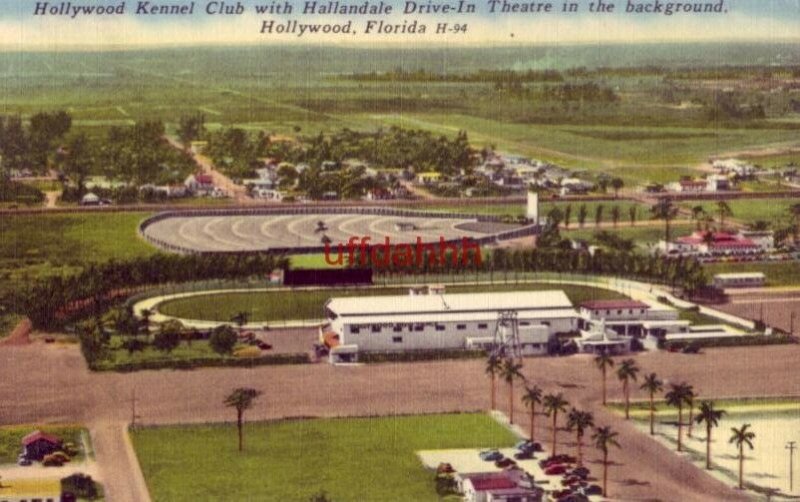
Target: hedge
(419, 355)
(737, 341)
(202, 362)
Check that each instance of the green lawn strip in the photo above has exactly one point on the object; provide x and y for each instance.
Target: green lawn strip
(352, 459)
(7, 323)
(640, 409)
(11, 439)
(266, 306)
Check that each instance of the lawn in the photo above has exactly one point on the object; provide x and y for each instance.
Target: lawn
(55, 244)
(266, 306)
(11, 437)
(643, 212)
(640, 234)
(351, 459)
(750, 210)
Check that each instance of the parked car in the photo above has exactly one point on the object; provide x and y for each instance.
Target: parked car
(691, 348)
(556, 470)
(24, 461)
(504, 462)
(523, 455)
(490, 455)
(263, 345)
(592, 490)
(581, 472)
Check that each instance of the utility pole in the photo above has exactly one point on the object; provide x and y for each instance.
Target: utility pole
(791, 323)
(133, 408)
(791, 447)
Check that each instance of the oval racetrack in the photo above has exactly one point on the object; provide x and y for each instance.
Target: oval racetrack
(230, 233)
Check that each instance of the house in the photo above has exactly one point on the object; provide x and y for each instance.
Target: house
(429, 177)
(169, 191)
(90, 199)
(30, 490)
(197, 147)
(268, 194)
(718, 183)
(37, 444)
(199, 184)
(505, 486)
(688, 186)
(378, 193)
(575, 186)
(734, 166)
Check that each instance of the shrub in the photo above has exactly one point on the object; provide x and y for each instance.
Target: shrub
(202, 362)
(223, 339)
(134, 345)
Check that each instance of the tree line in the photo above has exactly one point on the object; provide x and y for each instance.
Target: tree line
(50, 302)
(32, 145)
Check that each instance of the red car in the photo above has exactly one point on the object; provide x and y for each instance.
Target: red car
(556, 470)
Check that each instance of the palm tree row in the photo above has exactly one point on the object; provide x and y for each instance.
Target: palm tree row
(679, 395)
(553, 405)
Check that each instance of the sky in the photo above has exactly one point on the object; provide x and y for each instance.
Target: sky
(741, 20)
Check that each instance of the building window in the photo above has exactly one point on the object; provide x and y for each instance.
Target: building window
(524, 323)
(397, 328)
(419, 327)
(619, 312)
(397, 339)
(355, 330)
(376, 328)
(461, 327)
(483, 326)
(440, 327)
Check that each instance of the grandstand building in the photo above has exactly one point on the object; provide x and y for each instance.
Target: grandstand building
(438, 320)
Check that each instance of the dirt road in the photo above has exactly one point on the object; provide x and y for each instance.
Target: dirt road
(238, 192)
(59, 388)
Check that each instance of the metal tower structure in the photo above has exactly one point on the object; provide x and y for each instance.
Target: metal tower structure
(506, 336)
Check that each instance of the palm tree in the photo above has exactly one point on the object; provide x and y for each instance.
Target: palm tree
(567, 215)
(652, 384)
(742, 437)
(711, 417)
(532, 397)
(665, 210)
(677, 397)
(626, 372)
(579, 421)
(241, 399)
(493, 364)
(615, 215)
(146, 314)
(240, 319)
(724, 211)
(509, 372)
(603, 361)
(598, 214)
(583, 212)
(603, 438)
(632, 210)
(690, 395)
(553, 403)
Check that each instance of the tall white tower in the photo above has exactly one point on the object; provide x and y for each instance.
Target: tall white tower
(533, 207)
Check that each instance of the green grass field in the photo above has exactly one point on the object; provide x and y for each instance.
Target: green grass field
(55, 244)
(351, 459)
(307, 304)
(750, 210)
(11, 437)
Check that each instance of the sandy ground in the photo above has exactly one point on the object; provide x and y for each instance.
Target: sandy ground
(45, 383)
(776, 308)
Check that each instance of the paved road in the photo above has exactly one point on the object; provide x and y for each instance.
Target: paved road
(118, 466)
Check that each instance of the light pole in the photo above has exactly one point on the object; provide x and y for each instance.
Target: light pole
(791, 447)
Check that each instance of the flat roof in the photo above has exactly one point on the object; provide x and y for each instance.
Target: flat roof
(614, 304)
(488, 317)
(524, 302)
(740, 275)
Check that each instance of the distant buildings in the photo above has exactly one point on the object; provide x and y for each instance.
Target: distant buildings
(707, 244)
(711, 183)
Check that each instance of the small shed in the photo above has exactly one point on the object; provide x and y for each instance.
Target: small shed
(37, 444)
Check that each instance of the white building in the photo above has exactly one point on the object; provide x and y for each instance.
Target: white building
(442, 321)
(627, 317)
(513, 485)
(739, 280)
